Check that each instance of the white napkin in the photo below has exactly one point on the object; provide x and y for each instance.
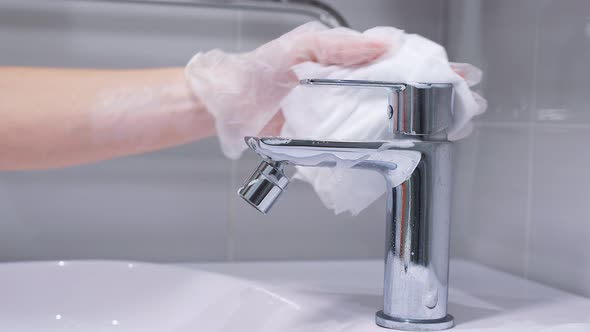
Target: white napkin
(360, 114)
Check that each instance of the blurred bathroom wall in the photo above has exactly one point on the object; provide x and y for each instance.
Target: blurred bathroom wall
(521, 190)
(522, 193)
(169, 205)
(179, 203)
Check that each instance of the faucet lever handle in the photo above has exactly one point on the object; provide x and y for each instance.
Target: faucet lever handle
(415, 109)
(394, 87)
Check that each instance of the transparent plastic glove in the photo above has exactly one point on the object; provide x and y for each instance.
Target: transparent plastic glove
(243, 91)
(359, 114)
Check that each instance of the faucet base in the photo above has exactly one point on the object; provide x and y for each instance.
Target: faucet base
(389, 322)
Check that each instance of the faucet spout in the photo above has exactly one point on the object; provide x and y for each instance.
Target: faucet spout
(346, 154)
(268, 181)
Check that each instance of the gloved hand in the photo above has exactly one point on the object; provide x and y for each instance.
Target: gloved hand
(243, 91)
(358, 114)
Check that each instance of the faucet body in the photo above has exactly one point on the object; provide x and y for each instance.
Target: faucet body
(418, 221)
(418, 210)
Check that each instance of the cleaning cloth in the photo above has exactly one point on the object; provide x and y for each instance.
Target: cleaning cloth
(345, 113)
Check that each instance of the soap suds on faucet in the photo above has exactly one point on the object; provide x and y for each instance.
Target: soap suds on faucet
(346, 113)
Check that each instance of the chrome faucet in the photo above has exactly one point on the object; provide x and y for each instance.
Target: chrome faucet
(418, 211)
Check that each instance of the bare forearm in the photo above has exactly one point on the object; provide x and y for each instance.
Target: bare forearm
(61, 117)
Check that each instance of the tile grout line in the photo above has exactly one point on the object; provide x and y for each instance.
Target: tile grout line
(444, 28)
(531, 147)
(231, 226)
(528, 202)
(531, 122)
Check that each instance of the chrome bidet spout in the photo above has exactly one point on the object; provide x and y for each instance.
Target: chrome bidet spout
(418, 211)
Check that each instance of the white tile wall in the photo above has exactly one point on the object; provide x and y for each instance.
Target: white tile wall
(522, 206)
(168, 205)
(490, 203)
(559, 252)
(425, 17)
(152, 207)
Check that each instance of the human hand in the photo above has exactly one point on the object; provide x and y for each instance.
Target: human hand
(243, 91)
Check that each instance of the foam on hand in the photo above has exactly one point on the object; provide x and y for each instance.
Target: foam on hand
(346, 113)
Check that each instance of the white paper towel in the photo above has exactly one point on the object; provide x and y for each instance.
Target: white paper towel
(360, 114)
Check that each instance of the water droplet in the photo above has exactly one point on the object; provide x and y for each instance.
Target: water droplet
(431, 298)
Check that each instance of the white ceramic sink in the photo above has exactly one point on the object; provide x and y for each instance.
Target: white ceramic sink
(119, 296)
(89, 296)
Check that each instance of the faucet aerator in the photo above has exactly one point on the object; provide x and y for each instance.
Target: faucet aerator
(264, 186)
